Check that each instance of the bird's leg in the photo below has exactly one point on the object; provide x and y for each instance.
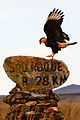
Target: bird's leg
(52, 55)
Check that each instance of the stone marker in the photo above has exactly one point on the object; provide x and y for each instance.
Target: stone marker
(29, 71)
(32, 98)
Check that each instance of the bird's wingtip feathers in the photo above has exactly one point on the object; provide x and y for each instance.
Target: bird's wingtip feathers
(56, 14)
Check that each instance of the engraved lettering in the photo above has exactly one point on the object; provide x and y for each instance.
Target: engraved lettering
(61, 80)
(39, 66)
(59, 66)
(46, 66)
(55, 80)
(53, 66)
(35, 67)
(18, 67)
(45, 80)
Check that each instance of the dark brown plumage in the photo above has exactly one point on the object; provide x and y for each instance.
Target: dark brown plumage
(56, 38)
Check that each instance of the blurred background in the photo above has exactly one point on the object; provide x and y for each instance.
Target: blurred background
(21, 27)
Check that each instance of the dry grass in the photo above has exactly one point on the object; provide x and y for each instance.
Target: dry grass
(4, 109)
(70, 110)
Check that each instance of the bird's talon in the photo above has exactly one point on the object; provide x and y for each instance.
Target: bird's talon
(49, 56)
(52, 55)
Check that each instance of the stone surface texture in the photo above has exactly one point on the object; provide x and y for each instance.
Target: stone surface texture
(29, 105)
(27, 71)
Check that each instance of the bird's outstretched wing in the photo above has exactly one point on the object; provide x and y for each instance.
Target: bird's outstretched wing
(66, 36)
(52, 26)
(56, 16)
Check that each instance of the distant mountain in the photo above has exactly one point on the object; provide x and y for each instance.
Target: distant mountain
(71, 89)
(2, 96)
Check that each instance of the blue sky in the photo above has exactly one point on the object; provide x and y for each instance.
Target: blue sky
(21, 27)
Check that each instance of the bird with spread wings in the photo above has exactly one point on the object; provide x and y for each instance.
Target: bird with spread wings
(56, 38)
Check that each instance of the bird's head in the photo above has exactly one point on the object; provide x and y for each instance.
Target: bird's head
(42, 40)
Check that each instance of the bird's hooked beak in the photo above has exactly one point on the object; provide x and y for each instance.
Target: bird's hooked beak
(42, 40)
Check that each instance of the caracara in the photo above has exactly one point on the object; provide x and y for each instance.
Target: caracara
(56, 38)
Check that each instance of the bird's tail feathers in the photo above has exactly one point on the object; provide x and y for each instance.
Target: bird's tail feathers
(64, 45)
(73, 43)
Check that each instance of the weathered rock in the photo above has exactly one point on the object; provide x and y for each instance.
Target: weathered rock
(29, 72)
(35, 108)
(35, 112)
(32, 98)
(20, 97)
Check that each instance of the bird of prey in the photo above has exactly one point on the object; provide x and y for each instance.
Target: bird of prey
(56, 38)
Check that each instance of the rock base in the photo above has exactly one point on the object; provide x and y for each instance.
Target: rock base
(33, 105)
